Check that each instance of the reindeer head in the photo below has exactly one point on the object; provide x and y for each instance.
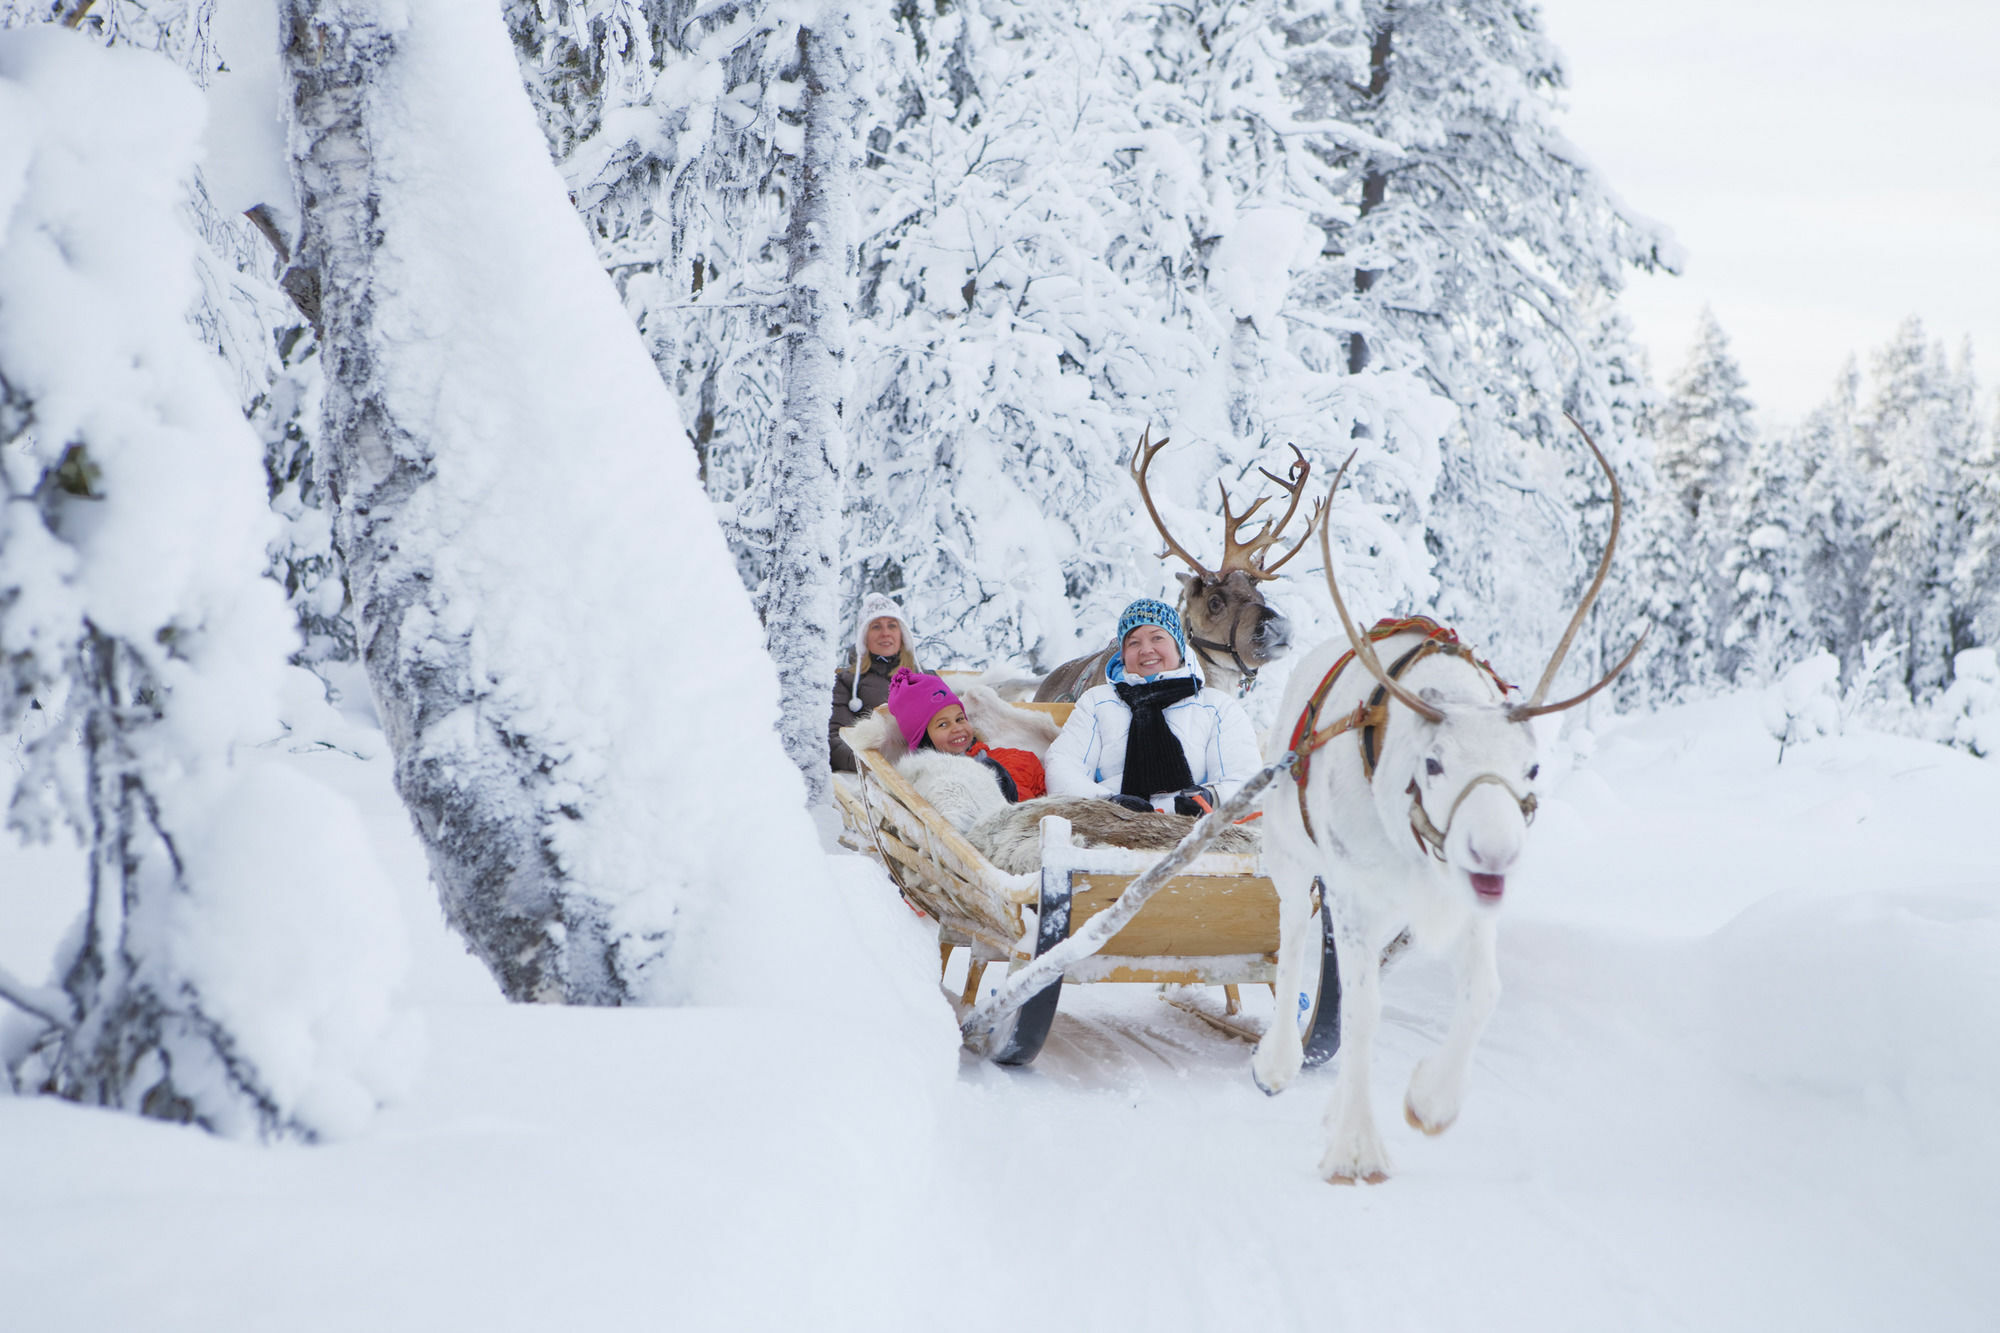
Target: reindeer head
(1223, 609)
(1459, 765)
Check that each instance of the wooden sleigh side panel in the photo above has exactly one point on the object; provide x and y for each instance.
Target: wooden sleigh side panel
(931, 862)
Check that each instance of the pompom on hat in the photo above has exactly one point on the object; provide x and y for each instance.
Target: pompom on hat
(914, 699)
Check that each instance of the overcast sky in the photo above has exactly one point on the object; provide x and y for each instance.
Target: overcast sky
(1828, 166)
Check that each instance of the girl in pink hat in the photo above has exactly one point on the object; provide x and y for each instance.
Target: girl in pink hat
(929, 714)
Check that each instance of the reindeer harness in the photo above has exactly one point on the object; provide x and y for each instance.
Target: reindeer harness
(1371, 715)
(1247, 672)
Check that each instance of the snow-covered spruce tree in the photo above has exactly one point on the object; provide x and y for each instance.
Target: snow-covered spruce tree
(1489, 245)
(241, 208)
(1082, 223)
(1917, 432)
(1662, 581)
(1704, 436)
(1976, 577)
(1767, 619)
(1003, 281)
(569, 673)
(1834, 553)
(236, 953)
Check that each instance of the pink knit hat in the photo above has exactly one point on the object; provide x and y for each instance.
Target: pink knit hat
(914, 699)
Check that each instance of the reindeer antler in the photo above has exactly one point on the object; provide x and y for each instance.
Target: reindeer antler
(1247, 555)
(1533, 706)
(1142, 459)
(1364, 647)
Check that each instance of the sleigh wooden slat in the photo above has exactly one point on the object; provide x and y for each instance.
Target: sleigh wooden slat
(1193, 914)
(1214, 924)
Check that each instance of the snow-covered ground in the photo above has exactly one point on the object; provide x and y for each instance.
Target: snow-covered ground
(1744, 1076)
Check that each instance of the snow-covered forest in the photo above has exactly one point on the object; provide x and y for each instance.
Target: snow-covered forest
(445, 446)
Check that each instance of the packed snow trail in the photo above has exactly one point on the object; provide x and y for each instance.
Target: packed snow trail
(1738, 1080)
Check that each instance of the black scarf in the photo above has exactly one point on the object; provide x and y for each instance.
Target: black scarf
(1154, 761)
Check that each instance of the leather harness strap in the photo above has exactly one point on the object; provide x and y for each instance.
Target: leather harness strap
(1247, 672)
(1372, 714)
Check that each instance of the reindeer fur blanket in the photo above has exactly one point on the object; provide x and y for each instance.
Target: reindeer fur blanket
(964, 792)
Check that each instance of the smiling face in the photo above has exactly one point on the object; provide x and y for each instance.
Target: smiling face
(949, 730)
(1149, 650)
(884, 636)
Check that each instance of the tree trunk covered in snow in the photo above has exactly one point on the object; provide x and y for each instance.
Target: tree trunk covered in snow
(477, 789)
(1375, 182)
(801, 595)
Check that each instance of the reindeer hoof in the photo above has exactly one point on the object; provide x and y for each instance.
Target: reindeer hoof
(1364, 1162)
(1272, 1072)
(1372, 1178)
(1418, 1122)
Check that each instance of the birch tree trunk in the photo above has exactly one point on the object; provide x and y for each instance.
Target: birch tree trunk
(476, 787)
(800, 602)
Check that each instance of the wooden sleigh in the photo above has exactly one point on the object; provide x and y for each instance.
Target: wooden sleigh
(1214, 924)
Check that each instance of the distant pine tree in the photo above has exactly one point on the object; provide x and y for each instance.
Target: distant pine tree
(1704, 436)
(1767, 620)
(1834, 554)
(1917, 435)
(1976, 575)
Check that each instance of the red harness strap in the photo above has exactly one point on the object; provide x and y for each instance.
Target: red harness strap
(1372, 713)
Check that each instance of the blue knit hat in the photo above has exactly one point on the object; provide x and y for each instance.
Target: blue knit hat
(1148, 611)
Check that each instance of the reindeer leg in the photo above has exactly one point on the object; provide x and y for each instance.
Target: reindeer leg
(1437, 1088)
(1354, 1149)
(1281, 1052)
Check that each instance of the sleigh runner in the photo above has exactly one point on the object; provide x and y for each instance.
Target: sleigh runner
(1213, 923)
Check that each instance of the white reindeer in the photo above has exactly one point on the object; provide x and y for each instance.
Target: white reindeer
(1412, 823)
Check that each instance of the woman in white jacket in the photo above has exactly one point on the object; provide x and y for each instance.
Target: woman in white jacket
(1153, 738)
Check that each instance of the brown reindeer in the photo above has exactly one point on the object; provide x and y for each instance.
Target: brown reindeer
(1230, 627)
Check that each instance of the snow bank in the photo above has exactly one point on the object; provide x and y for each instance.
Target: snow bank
(298, 947)
(1831, 996)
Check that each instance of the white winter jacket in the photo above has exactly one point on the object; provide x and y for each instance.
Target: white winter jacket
(1216, 735)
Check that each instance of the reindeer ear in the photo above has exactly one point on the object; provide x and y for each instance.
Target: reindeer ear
(1185, 577)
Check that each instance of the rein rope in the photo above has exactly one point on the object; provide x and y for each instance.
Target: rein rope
(1371, 715)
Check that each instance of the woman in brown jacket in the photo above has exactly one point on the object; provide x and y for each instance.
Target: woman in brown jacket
(881, 644)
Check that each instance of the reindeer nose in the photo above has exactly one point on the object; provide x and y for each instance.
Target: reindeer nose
(1273, 631)
(1496, 856)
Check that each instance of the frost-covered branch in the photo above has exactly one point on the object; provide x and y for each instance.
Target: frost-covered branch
(51, 1006)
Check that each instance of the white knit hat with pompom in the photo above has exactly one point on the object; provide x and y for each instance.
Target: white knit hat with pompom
(873, 607)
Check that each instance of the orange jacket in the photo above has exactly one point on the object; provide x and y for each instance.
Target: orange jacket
(1021, 765)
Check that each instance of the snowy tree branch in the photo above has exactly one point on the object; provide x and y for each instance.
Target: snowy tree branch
(51, 1006)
